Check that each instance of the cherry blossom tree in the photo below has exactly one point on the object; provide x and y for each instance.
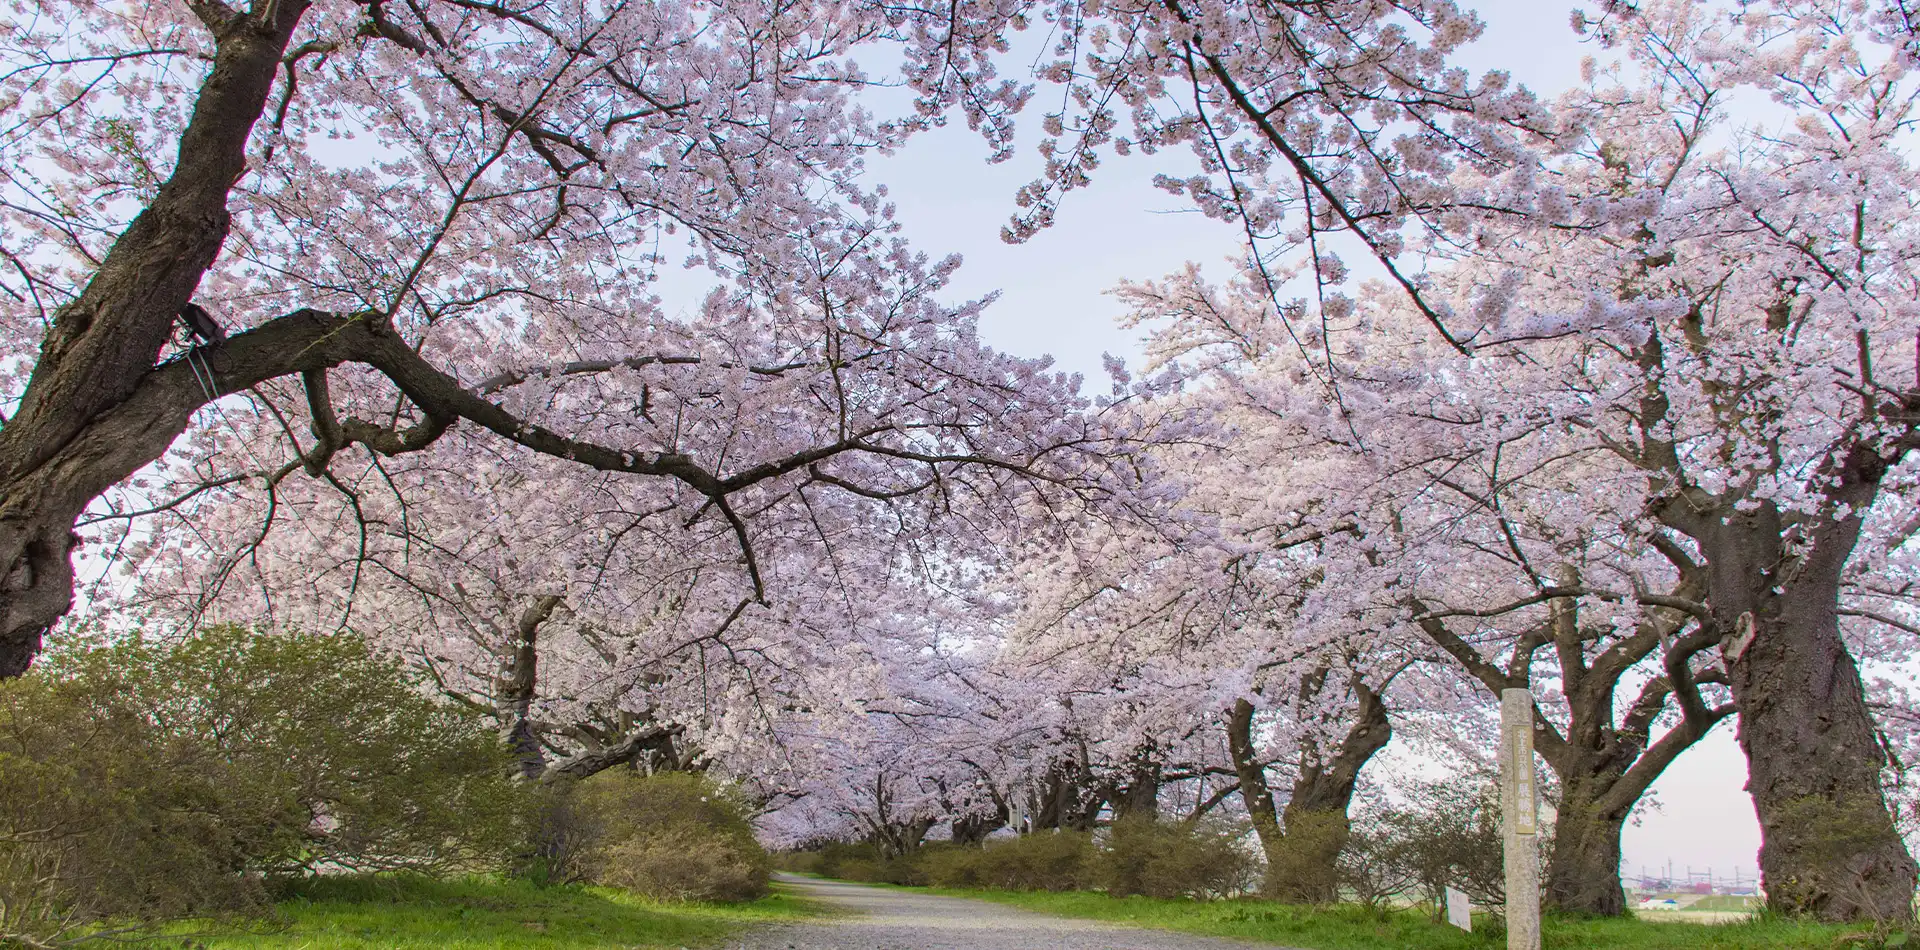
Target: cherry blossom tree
(377, 199)
(374, 196)
(1750, 278)
(602, 619)
(1633, 390)
(1207, 617)
(1682, 392)
(1312, 126)
(1423, 513)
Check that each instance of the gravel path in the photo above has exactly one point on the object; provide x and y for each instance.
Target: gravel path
(902, 920)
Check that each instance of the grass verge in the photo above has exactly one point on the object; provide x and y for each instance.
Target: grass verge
(1724, 902)
(1354, 928)
(413, 913)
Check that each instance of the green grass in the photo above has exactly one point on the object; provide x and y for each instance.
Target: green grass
(410, 913)
(1353, 928)
(1724, 902)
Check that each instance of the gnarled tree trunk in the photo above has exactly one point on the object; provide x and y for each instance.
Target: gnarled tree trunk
(1584, 874)
(1829, 846)
(517, 685)
(1303, 841)
(974, 827)
(1605, 764)
(1067, 798)
(1138, 793)
(92, 413)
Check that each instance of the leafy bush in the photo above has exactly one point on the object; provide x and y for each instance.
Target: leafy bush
(870, 870)
(869, 862)
(909, 869)
(686, 864)
(670, 836)
(796, 862)
(959, 866)
(1368, 868)
(837, 859)
(375, 774)
(101, 818)
(147, 780)
(1172, 859)
(1302, 866)
(1443, 834)
(1046, 861)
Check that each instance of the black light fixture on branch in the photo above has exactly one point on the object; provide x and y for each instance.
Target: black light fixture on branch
(201, 324)
(202, 330)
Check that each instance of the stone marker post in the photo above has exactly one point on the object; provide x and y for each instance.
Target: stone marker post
(1520, 819)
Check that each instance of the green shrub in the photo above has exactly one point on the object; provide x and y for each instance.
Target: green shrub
(375, 773)
(1445, 833)
(868, 862)
(864, 861)
(796, 862)
(686, 864)
(870, 870)
(909, 869)
(833, 859)
(669, 836)
(145, 780)
(1369, 869)
(956, 867)
(1172, 859)
(102, 818)
(1046, 861)
(1303, 864)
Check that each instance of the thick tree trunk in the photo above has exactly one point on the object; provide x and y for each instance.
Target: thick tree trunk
(1255, 794)
(1139, 796)
(1067, 799)
(40, 503)
(1584, 874)
(895, 839)
(517, 683)
(1303, 842)
(1829, 844)
(1605, 763)
(67, 442)
(973, 828)
(97, 408)
(1315, 819)
(1598, 789)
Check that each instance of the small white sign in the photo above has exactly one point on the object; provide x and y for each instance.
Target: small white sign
(1459, 912)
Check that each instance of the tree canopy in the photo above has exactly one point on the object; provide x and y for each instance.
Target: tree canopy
(369, 315)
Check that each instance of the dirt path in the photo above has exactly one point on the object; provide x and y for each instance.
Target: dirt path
(886, 919)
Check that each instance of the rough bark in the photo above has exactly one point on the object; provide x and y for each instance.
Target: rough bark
(1584, 874)
(893, 834)
(1605, 762)
(517, 685)
(974, 827)
(636, 745)
(97, 407)
(63, 447)
(1829, 846)
(1068, 798)
(1255, 794)
(1303, 841)
(1315, 817)
(1138, 794)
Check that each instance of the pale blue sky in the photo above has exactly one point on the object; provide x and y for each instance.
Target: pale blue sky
(1053, 302)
